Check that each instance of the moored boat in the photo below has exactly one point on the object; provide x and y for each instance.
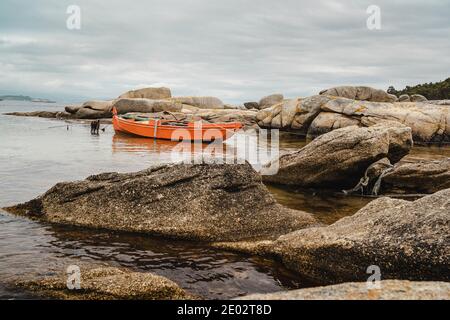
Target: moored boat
(174, 130)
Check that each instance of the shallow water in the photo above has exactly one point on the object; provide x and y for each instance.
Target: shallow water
(37, 153)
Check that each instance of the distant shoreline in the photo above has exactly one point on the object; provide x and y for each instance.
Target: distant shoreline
(24, 98)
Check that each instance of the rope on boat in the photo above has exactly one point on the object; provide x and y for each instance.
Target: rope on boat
(365, 180)
(376, 187)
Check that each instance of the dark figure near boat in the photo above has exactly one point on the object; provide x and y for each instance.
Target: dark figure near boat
(95, 127)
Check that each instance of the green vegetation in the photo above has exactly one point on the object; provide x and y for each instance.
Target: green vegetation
(432, 91)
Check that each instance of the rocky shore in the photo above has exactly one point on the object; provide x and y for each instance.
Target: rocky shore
(361, 138)
(389, 290)
(233, 210)
(332, 109)
(196, 202)
(107, 283)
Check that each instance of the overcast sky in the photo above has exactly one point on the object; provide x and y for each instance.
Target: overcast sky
(236, 50)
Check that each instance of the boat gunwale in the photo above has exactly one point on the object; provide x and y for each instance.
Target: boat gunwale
(227, 126)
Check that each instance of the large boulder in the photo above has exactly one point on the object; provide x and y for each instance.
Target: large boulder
(107, 283)
(360, 93)
(329, 121)
(201, 102)
(148, 93)
(216, 202)
(295, 113)
(418, 98)
(426, 176)
(339, 158)
(269, 101)
(126, 105)
(94, 109)
(429, 123)
(72, 109)
(405, 240)
(307, 110)
(251, 105)
(404, 98)
(388, 290)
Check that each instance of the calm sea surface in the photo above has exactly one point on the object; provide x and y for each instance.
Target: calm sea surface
(36, 153)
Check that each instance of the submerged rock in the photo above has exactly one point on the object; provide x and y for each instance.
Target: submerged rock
(406, 240)
(388, 290)
(108, 283)
(202, 202)
(340, 158)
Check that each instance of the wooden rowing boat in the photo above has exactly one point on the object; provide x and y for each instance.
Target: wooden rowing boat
(174, 130)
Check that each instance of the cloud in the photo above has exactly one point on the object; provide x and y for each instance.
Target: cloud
(238, 50)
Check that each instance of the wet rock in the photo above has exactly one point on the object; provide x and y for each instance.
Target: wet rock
(108, 283)
(406, 240)
(145, 105)
(418, 98)
(199, 202)
(339, 158)
(148, 93)
(360, 93)
(269, 101)
(423, 176)
(201, 102)
(388, 290)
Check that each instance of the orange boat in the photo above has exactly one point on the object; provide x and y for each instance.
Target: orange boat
(174, 130)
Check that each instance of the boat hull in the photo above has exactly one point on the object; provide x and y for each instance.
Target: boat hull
(158, 129)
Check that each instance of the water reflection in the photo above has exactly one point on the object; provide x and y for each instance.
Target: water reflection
(326, 205)
(37, 153)
(31, 249)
